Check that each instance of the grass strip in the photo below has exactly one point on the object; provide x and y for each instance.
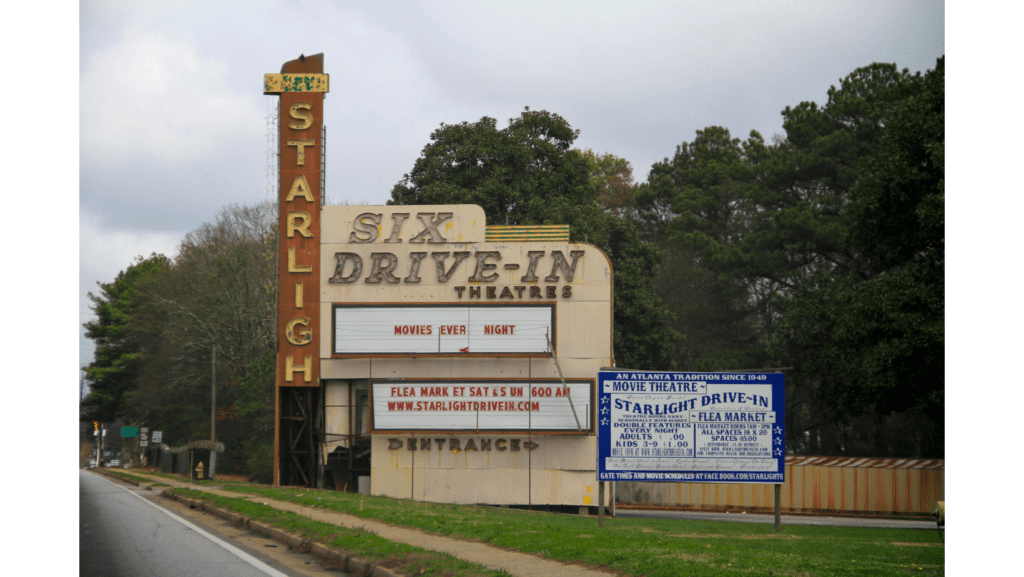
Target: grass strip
(183, 479)
(651, 547)
(130, 477)
(397, 557)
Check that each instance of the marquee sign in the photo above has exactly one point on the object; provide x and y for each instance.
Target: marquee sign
(701, 427)
(482, 405)
(425, 329)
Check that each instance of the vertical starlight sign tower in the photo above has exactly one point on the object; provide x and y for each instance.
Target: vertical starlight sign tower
(691, 427)
(302, 86)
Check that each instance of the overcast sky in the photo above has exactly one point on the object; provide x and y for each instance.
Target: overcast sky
(173, 123)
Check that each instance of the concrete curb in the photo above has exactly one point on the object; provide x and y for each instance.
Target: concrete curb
(331, 558)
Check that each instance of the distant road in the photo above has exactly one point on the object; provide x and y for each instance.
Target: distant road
(122, 534)
(786, 519)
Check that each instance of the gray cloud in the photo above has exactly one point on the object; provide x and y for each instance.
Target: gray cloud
(173, 122)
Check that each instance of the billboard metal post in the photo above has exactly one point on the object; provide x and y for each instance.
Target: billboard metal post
(778, 506)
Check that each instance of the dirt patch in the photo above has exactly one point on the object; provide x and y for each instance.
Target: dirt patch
(691, 557)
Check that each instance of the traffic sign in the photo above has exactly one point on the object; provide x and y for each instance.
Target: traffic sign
(158, 436)
(143, 443)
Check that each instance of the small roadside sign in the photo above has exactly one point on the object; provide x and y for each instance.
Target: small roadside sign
(143, 443)
(158, 436)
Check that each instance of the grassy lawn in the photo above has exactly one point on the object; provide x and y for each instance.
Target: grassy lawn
(219, 480)
(652, 547)
(129, 476)
(398, 557)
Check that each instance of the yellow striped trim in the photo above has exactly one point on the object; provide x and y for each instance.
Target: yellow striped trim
(556, 232)
(277, 83)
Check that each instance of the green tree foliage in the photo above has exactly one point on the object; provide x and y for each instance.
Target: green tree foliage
(613, 178)
(643, 336)
(162, 324)
(120, 345)
(219, 298)
(703, 192)
(528, 174)
(525, 173)
(255, 409)
(825, 252)
(221, 294)
(878, 333)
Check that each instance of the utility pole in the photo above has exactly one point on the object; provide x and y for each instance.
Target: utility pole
(213, 396)
(213, 412)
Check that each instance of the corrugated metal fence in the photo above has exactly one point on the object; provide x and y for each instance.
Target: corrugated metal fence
(813, 485)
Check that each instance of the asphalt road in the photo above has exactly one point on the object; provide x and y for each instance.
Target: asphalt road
(123, 534)
(820, 520)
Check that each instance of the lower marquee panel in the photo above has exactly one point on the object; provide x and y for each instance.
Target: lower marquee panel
(558, 470)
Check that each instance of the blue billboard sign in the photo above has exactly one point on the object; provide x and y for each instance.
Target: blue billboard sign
(691, 427)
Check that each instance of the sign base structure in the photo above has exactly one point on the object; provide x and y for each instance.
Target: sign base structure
(691, 427)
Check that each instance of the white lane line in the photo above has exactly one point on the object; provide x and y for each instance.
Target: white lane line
(256, 563)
